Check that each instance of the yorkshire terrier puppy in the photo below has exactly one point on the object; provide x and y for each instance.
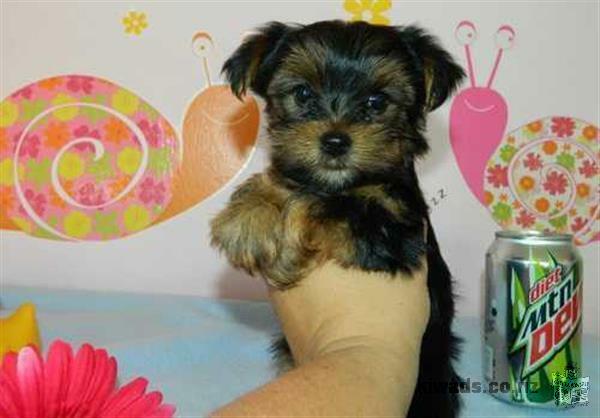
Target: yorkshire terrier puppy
(346, 106)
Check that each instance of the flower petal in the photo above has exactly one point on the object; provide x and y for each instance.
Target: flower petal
(11, 404)
(30, 374)
(143, 406)
(123, 398)
(378, 19)
(353, 6)
(381, 6)
(163, 411)
(82, 369)
(102, 383)
(57, 372)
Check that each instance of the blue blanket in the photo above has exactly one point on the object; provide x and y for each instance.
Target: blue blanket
(202, 353)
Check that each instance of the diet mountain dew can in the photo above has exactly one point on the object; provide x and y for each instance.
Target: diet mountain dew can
(532, 327)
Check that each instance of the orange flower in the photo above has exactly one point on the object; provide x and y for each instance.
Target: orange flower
(566, 147)
(4, 145)
(116, 131)
(488, 198)
(579, 154)
(542, 204)
(573, 212)
(503, 197)
(550, 147)
(50, 83)
(516, 204)
(56, 200)
(535, 126)
(57, 134)
(510, 139)
(119, 185)
(590, 132)
(7, 198)
(583, 190)
(527, 183)
(560, 204)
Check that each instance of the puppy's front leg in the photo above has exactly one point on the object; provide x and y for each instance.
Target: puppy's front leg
(250, 229)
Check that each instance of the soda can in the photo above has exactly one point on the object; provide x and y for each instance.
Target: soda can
(533, 308)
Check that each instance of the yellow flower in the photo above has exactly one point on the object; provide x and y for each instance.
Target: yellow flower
(77, 224)
(125, 102)
(6, 172)
(136, 218)
(129, 160)
(70, 166)
(64, 113)
(9, 112)
(134, 22)
(368, 10)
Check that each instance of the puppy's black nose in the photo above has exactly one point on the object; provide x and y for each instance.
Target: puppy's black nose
(335, 144)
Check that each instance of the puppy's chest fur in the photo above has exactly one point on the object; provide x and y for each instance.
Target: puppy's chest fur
(282, 232)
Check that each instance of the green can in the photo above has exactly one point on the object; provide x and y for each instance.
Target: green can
(533, 310)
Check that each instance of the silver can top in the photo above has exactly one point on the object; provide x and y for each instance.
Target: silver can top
(534, 235)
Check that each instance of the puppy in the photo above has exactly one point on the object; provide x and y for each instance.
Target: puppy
(346, 106)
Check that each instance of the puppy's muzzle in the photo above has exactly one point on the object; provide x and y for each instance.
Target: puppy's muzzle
(335, 144)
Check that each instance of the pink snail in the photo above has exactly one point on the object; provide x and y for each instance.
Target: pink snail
(543, 175)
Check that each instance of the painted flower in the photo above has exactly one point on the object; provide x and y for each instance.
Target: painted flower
(84, 131)
(498, 175)
(134, 23)
(516, 204)
(583, 190)
(152, 133)
(76, 83)
(5, 144)
(30, 146)
(36, 201)
(116, 131)
(532, 161)
(152, 192)
(562, 126)
(77, 385)
(542, 205)
(590, 132)
(588, 169)
(507, 152)
(118, 185)
(9, 113)
(7, 198)
(555, 183)
(502, 212)
(525, 219)
(578, 224)
(549, 147)
(129, 160)
(90, 195)
(368, 10)
(77, 224)
(566, 160)
(535, 126)
(56, 134)
(526, 183)
(50, 83)
(488, 198)
(24, 93)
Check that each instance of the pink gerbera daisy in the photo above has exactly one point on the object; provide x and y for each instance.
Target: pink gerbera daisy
(72, 386)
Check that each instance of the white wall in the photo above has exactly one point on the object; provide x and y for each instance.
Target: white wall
(552, 70)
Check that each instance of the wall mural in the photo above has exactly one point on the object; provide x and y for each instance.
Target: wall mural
(543, 175)
(82, 158)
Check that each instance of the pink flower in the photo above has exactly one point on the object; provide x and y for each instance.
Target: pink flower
(498, 175)
(532, 161)
(30, 146)
(75, 386)
(25, 93)
(151, 191)
(152, 133)
(77, 83)
(84, 132)
(36, 201)
(588, 169)
(578, 224)
(525, 219)
(562, 126)
(89, 195)
(555, 183)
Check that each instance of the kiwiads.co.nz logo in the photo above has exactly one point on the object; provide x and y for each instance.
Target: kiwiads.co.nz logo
(551, 316)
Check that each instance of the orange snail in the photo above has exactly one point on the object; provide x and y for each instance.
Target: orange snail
(82, 158)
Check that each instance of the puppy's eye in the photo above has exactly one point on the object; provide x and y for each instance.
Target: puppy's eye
(377, 102)
(303, 94)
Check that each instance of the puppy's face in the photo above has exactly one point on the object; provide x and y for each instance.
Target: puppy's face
(346, 102)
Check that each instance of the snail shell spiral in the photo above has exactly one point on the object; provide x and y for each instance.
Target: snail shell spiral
(545, 176)
(83, 159)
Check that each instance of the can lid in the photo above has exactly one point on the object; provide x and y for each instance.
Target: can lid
(527, 234)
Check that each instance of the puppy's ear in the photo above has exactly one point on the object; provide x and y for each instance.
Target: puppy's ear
(253, 62)
(441, 74)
